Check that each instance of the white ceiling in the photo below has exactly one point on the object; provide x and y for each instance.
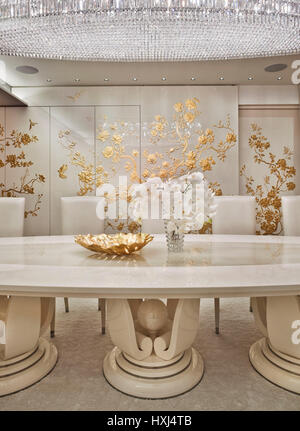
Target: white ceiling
(63, 73)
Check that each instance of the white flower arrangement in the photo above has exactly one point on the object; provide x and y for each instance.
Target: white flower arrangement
(187, 202)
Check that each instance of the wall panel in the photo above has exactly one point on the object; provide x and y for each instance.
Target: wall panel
(27, 168)
(72, 156)
(269, 160)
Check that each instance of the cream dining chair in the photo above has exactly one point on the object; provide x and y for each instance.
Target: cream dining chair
(78, 216)
(12, 216)
(235, 215)
(291, 215)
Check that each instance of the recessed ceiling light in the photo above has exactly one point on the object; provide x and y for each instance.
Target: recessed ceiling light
(276, 67)
(221, 78)
(28, 70)
(76, 79)
(49, 80)
(279, 78)
(134, 79)
(163, 78)
(193, 78)
(106, 79)
(250, 78)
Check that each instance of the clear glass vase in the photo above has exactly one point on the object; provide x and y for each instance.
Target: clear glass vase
(175, 240)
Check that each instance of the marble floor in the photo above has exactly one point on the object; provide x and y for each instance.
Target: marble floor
(229, 382)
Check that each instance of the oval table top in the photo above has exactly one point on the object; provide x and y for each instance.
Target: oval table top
(210, 266)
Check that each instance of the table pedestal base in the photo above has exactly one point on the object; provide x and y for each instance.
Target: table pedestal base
(22, 371)
(153, 378)
(278, 368)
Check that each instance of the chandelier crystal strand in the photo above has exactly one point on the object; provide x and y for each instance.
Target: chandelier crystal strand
(149, 30)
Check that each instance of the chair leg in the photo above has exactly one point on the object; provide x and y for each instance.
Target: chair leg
(52, 324)
(66, 304)
(102, 304)
(250, 307)
(99, 304)
(217, 315)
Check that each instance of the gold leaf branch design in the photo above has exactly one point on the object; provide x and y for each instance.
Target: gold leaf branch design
(88, 177)
(279, 179)
(189, 143)
(26, 186)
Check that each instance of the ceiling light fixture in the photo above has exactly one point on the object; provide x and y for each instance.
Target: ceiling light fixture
(134, 79)
(278, 67)
(221, 78)
(76, 80)
(106, 79)
(28, 70)
(193, 78)
(250, 78)
(163, 78)
(146, 30)
(279, 78)
(49, 80)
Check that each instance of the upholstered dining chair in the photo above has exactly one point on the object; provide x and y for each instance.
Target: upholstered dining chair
(153, 226)
(291, 215)
(78, 216)
(12, 216)
(235, 215)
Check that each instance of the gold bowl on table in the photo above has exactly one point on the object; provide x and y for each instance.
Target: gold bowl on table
(120, 243)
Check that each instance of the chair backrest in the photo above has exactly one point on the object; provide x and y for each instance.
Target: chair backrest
(78, 215)
(153, 226)
(235, 215)
(12, 216)
(291, 215)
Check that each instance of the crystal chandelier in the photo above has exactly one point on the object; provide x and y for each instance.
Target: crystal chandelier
(149, 30)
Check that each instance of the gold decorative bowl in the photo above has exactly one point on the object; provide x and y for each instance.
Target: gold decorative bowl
(120, 243)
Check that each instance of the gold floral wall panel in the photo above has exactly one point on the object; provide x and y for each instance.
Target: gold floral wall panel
(118, 153)
(268, 161)
(188, 128)
(98, 133)
(72, 156)
(27, 164)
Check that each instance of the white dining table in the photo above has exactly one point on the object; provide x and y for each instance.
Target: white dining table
(153, 355)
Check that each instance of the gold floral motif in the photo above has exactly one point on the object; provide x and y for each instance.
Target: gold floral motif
(108, 152)
(280, 179)
(178, 107)
(216, 188)
(103, 135)
(75, 97)
(117, 139)
(61, 171)
(189, 117)
(191, 103)
(27, 182)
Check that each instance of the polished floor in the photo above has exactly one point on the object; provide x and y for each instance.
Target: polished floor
(229, 382)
